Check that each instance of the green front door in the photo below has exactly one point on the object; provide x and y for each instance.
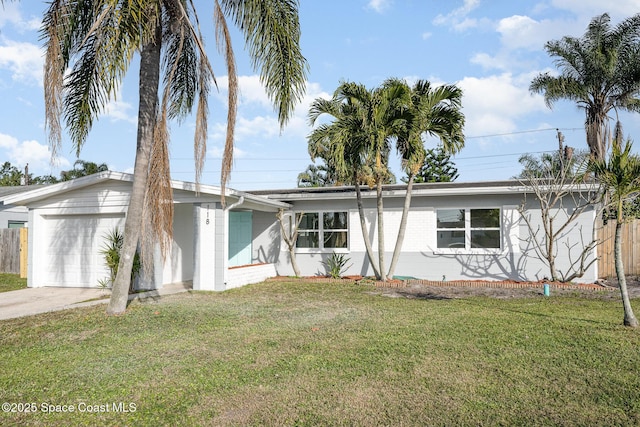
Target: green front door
(240, 238)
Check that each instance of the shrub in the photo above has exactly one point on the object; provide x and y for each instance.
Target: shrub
(111, 253)
(336, 264)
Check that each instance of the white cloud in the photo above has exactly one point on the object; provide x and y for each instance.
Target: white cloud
(493, 104)
(257, 127)
(488, 62)
(247, 128)
(31, 152)
(299, 126)
(519, 31)
(519, 36)
(523, 32)
(217, 151)
(120, 110)
(618, 9)
(458, 18)
(257, 118)
(24, 60)
(426, 35)
(11, 14)
(251, 91)
(379, 5)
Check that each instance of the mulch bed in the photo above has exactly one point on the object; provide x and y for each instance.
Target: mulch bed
(504, 284)
(501, 289)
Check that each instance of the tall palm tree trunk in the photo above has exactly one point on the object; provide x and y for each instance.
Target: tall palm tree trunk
(147, 114)
(365, 232)
(403, 226)
(380, 206)
(596, 135)
(629, 317)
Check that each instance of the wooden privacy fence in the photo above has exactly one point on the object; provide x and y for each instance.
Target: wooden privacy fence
(630, 248)
(13, 251)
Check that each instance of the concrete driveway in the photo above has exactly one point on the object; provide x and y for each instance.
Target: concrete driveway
(30, 301)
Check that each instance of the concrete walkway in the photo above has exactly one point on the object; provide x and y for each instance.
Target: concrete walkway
(30, 301)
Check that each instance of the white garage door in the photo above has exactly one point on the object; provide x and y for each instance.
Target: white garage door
(72, 251)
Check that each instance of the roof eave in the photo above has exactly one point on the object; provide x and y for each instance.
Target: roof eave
(34, 195)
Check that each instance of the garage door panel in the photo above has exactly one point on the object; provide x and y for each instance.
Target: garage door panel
(73, 248)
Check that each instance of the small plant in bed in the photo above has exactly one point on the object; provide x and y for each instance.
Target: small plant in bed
(337, 264)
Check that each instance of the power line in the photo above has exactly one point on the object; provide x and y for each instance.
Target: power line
(296, 170)
(521, 132)
(502, 155)
(468, 137)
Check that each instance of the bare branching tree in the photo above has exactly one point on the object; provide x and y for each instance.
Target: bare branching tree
(289, 234)
(563, 196)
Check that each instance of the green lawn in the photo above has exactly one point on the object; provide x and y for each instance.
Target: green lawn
(320, 354)
(11, 282)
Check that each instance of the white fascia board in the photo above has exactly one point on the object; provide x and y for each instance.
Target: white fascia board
(430, 192)
(63, 187)
(41, 193)
(401, 193)
(213, 190)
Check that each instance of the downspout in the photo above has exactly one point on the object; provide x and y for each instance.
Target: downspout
(236, 204)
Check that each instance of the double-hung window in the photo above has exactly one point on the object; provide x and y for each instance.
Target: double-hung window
(308, 230)
(322, 230)
(468, 228)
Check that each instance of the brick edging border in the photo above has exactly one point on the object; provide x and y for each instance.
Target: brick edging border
(450, 283)
(506, 285)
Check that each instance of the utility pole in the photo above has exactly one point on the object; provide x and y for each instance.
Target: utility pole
(560, 142)
(561, 152)
(25, 178)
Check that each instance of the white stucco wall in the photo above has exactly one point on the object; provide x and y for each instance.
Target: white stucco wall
(420, 257)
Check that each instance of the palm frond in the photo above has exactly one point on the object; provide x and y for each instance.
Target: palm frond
(224, 42)
(272, 32)
(599, 71)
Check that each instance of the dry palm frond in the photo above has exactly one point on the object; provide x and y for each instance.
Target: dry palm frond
(54, 67)
(158, 209)
(223, 38)
(200, 138)
(205, 76)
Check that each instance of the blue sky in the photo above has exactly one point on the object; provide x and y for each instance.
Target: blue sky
(490, 48)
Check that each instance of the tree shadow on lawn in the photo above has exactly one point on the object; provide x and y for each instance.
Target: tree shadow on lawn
(413, 295)
(469, 295)
(555, 316)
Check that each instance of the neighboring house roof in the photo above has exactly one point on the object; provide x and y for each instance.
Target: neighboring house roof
(17, 189)
(40, 193)
(398, 190)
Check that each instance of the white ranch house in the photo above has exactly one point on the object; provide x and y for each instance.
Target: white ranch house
(455, 231)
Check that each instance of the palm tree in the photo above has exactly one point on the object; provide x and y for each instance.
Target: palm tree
(343, 145)
(365, 125)
(620, 176)
(86, 168)
(382, 111)
(317, 176)
(98, 40)
(600, 72)
(433, 112)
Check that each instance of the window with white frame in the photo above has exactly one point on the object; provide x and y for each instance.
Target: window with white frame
(468, 228)
(322, 230)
